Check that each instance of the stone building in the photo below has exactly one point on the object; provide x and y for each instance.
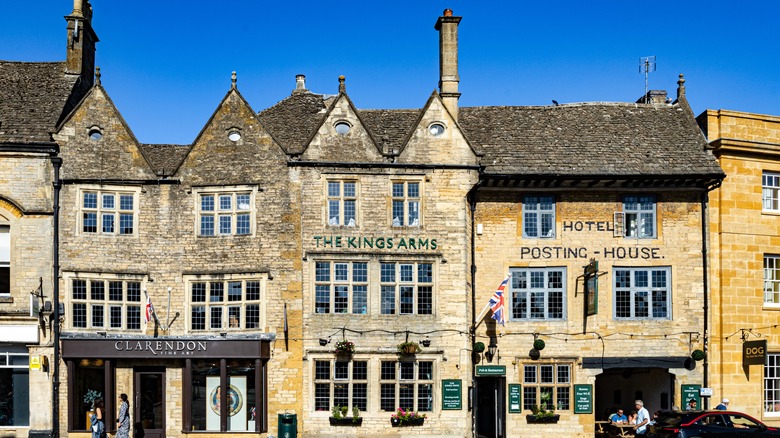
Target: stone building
(34, 98)
(745, 236)
(313, 267)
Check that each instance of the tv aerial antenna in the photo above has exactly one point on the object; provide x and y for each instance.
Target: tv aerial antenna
(646, 66)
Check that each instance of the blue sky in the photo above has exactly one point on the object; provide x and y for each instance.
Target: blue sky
(167, 64)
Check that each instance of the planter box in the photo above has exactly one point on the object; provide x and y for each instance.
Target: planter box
(533, 419)
(401, 423)
(345, 421)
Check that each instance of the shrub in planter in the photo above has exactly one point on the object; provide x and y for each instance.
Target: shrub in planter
(698, 355)
(538, 344)
(479, 347)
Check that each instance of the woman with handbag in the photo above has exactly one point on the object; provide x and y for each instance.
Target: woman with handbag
(97, 425)
(123, 419)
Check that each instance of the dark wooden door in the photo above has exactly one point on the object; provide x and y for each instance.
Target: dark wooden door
(150, 403)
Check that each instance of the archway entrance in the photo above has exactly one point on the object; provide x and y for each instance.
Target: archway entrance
(620, 387)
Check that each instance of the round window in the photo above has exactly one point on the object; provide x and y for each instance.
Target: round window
(95, 134)
(342, 128)
(234, 136)
(436, 129)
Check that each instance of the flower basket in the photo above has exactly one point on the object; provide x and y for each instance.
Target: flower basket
(344, 347)
(408, 348)
(345, 421)
(542, 419)
(406, 418)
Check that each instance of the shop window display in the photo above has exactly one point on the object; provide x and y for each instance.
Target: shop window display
(14, 389)
(207, 395)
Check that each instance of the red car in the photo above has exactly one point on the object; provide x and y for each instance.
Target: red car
(724, 424)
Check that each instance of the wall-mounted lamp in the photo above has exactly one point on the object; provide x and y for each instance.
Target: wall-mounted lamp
(491, 350)
(324, 342)
(426, 343)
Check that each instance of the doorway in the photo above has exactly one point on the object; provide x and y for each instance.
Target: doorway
(619, 387)
(489, 409)
(150, 401)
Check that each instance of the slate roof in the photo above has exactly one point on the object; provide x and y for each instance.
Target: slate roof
(390, 127)
(293, 121)
(34, 97)
(604, 139)
(165, 158)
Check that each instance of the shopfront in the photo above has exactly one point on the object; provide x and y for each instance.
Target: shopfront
(218, 384)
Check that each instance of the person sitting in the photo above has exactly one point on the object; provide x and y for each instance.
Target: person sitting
(618, 417)
(632, 418)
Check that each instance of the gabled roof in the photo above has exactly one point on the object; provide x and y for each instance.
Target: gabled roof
(589, 139)
(164, 158)
(34, 97)
(292, 121)
(390, 128)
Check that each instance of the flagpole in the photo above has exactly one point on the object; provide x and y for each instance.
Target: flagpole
(482, 315)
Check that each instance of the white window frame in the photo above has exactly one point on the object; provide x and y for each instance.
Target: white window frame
(553, 377)
(401, 379)
(770, 192)
(342, 276)
(10, 355)
(226, 306)
(524, 289)
(341, 202)
(400, 286)
(538, 210)
(771, 280)
(101, 211)
(407, 204)
(335, 379)
(218, 212)
(771, 385)
(649, 289)
(96, 307)
(637, 219)
(5, 256)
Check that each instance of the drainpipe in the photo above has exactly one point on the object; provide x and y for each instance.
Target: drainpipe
(55, 386)
(705, 284)
(472, 198)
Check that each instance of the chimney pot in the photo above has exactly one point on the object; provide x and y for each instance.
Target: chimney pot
(300, 82)
(448, 12)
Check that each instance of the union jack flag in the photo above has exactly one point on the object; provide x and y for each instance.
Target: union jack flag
(149, 309)
(497, 303)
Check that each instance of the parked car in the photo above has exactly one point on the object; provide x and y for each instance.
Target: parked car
(724, 424)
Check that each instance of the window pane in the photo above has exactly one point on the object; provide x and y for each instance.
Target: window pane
(108, 223)
(90, 200)
(198, 317)
(234, 291)
(125, 223)
(125, 202)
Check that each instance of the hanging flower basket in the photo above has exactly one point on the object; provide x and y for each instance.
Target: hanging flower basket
(698, 355)
(408, 348)
(344, 347)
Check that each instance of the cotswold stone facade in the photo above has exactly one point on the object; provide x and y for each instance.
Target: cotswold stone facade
(745, 246)
(311, 268)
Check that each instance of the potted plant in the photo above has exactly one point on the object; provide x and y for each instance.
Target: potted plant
(89, 399)
(541, 414)
(479, 347)
(344, 347)
(402, 417)
(408, 347)
(340, 418)
(698, 355)
(538, 344)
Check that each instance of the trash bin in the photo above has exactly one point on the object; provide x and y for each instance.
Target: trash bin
(288, 426)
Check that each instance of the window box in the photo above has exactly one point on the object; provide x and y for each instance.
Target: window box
(397, 422)
(542, 419)
(345, 421)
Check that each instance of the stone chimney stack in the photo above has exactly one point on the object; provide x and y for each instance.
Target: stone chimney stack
(300, 83)
(447, 25)
(81, 42)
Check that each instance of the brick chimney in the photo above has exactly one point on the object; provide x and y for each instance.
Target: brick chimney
(81, 42)
(447, 25)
